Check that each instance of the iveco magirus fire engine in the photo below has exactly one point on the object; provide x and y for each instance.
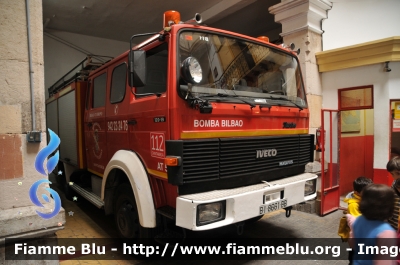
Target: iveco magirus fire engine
(200, 125)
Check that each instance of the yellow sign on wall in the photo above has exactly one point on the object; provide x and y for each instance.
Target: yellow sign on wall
(397, 110)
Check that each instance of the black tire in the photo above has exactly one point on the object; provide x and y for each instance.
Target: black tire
(126, 214)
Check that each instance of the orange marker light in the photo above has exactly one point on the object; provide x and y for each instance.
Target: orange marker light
(172, 161)
(264, 38)
(171, 16)
(188, 37)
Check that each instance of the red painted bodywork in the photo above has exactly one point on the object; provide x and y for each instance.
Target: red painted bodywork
(102, 140)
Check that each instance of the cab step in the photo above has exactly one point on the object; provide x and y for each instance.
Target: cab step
(167, 211)
(88, 195)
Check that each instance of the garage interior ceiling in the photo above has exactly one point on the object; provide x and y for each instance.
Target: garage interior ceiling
(120, 19)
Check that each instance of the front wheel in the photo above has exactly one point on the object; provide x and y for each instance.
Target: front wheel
(126, 214)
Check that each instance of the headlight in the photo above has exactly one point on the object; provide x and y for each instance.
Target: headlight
(310, 187)
(191, 70)
(210, 212)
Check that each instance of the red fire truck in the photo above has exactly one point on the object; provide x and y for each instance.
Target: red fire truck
(197, 125)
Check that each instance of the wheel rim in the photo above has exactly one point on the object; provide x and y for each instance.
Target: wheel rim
(127, 220)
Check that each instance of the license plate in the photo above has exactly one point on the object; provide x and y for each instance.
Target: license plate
(273, 206)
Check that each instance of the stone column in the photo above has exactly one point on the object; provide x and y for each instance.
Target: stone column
(301, 24)
(17, 156)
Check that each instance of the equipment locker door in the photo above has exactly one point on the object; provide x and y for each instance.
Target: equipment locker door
(95, 125)
(330, 196)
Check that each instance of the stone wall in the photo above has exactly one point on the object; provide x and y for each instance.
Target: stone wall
(17, 171)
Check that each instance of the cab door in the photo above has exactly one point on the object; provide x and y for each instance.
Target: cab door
(95, 125)
(117, 108)
(148, 112)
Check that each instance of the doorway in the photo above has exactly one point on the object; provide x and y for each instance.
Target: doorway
(348, 147)
(395, 128)
(356, 132)
(356, 147)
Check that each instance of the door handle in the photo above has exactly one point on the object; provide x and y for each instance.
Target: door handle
(132, 122)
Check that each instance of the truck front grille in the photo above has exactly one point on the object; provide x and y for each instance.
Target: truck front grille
(200, 160)
(213, 159)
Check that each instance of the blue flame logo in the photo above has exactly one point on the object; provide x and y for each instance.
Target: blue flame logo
(35, 200)
(45, 152)
(51, 164)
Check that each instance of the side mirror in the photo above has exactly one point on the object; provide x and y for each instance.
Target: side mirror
(137, 68)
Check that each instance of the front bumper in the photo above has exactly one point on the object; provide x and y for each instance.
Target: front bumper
(241, 203)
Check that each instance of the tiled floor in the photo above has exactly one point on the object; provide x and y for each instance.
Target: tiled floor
(83, 220)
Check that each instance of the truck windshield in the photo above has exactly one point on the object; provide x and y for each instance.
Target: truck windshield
(216, 66)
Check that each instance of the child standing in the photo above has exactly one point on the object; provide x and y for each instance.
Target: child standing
(352, 200)
(376, 205)
(393, 167)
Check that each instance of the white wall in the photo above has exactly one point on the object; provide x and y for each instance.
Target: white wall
(386, 86)
(352, 22)
(59, 57)
(394, 81)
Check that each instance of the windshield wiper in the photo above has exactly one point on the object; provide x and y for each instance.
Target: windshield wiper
(285, 99)
(252, 105)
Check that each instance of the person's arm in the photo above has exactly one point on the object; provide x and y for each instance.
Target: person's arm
(350, 222)
(387, 238)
